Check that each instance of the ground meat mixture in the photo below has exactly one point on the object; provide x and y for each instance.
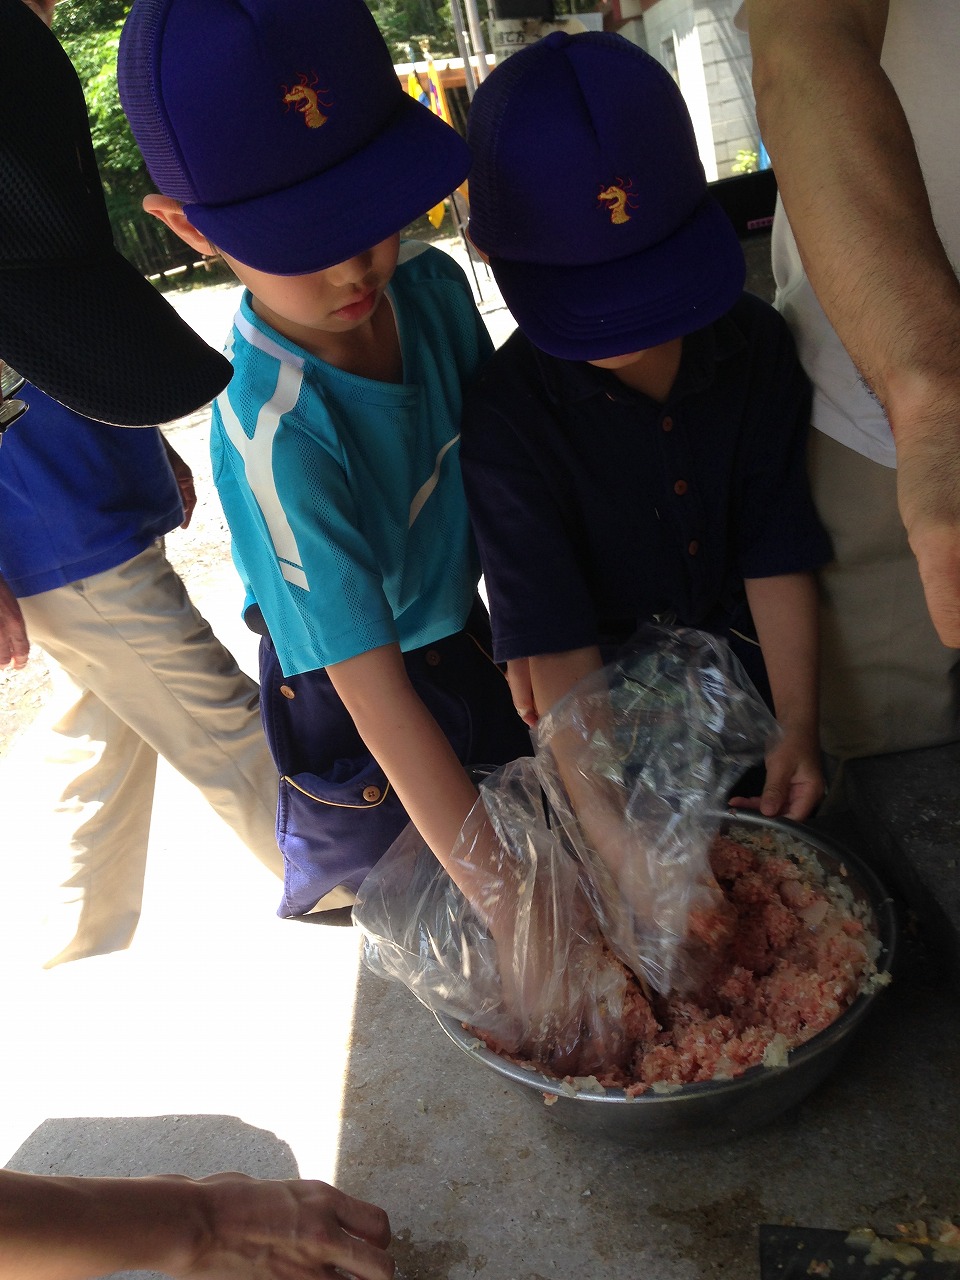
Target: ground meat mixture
(796, 957)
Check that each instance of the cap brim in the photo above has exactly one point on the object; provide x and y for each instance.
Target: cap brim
(405, 170)
(101, 340)
(610, 309)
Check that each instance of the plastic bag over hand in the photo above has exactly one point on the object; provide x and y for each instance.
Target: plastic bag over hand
(636, 762)
(597, 845)
(523, 962)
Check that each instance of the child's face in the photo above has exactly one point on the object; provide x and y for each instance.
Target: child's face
(333, 301)
(618, 362)
(651, 371)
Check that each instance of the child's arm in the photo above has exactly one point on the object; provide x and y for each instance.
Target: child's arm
(599, 809)
(412, 750)
(784, 612)
(438, 796)
(184, 478)
(553, 675)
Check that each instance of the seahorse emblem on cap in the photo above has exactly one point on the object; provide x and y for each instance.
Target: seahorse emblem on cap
(306, 94)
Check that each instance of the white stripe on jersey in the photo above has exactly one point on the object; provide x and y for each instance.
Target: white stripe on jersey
(428, 486)
(257, 451)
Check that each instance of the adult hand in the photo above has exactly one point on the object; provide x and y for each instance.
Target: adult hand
(14, 642)
(184, 479)
(228, 1227)
(296, 1230)
(928, 492)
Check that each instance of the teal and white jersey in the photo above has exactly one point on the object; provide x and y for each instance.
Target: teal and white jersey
(343, 494)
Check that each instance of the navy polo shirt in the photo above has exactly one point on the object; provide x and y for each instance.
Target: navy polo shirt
(597, 509)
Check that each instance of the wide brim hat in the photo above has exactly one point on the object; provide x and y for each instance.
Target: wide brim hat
(589, 198)
(321, 155)
(76, 319)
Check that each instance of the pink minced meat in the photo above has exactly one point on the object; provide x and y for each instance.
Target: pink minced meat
(791, 963)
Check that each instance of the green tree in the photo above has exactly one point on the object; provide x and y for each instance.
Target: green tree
(90, 33)
(407, 23)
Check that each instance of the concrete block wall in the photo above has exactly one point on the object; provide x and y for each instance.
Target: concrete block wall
(726, 64)
(713, 71)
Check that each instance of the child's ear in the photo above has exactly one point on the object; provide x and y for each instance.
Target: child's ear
(170, 212)
(479, 252)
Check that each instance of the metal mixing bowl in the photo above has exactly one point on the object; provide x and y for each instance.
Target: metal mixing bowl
(715, 1110)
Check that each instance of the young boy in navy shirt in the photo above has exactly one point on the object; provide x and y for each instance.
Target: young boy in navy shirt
(635, 451)
(336, 443)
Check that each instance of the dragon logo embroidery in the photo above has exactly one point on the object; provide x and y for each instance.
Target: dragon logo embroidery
(617, 199)
(309, 101)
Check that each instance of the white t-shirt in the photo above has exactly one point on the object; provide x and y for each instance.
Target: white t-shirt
(921, 55)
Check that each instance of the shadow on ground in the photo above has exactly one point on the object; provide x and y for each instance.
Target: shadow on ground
(484, 1183)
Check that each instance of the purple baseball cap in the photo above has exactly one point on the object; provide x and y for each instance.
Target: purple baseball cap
(282, 127)
(588, 196)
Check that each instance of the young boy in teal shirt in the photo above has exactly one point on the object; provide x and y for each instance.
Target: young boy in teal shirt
(336, 443)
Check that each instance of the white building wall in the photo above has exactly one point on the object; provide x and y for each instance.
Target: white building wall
(713, 70)
(726, 68)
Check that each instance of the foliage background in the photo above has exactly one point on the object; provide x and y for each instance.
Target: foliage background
(90, 32)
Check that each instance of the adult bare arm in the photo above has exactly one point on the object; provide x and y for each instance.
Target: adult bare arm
(14, 641)
(228, 1227)
(784, 612)
(853, 189)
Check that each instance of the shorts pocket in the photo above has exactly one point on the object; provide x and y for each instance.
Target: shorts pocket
(332, 830)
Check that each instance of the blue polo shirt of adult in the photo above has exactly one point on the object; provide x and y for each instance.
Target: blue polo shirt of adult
(78, 497)
(597, 509)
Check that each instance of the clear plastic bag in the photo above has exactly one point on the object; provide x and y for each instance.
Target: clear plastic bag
(594, 849)
(636, 763)
(523, 962)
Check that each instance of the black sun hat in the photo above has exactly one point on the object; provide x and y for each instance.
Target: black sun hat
(76, 319)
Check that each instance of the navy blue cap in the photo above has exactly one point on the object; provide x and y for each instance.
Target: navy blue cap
(282, 127)
(588, 196)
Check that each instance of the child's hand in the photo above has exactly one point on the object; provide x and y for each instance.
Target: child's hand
(794, 785)
(521, 691)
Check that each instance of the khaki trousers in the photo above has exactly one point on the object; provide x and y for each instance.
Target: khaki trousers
(137, 673)
(887, 682)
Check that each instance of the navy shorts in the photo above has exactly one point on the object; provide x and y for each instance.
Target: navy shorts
(337, 814)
